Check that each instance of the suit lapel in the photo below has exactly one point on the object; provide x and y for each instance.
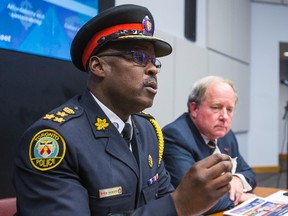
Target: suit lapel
(138, 154)
(117, 147)
(203, 148)
(223, 146)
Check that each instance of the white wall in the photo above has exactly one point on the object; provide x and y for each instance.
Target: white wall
(168, 14)
(268, 28)
(225, 31)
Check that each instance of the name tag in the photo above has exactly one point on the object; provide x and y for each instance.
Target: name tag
(110, 192)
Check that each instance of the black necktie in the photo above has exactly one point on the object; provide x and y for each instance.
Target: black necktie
(126, 133)
(212, 146)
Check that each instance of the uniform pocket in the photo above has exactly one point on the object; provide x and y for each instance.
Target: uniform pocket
(114, 204)
(150, 192)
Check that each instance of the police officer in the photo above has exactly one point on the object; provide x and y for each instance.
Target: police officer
(74, 160)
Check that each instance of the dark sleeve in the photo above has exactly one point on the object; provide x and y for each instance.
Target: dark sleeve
(177, 155)
(179, 158)
(160, 207)
(223, 204)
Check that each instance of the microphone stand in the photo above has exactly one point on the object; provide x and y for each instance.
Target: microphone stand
(286, 123)
(285, 118)
(286, 110)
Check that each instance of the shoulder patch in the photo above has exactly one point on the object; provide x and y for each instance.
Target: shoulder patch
(158, 132)
(47, 149)
(64, 114)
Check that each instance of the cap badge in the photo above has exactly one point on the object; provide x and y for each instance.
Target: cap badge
(147, 26)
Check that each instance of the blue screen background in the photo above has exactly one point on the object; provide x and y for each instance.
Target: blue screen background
(43, 27)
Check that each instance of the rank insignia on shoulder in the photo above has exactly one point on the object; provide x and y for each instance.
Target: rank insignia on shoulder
(47, 149)
(63, 115)
(145, 115)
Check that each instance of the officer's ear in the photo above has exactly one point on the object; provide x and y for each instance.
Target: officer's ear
(96, 66)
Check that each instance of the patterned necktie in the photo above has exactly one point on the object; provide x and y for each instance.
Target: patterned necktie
(212, 146)
(126, 133)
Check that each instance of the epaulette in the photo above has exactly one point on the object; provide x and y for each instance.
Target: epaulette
(64, 114)
(158, 131)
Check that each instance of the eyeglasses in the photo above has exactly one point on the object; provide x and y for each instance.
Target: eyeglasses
(140, 58)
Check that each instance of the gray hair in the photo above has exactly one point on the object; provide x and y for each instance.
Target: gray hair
(198, 92)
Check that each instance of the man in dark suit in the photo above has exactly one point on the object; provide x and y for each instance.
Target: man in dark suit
(204, 130)
(77, 160)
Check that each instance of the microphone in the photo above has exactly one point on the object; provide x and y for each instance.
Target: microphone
(284, 82)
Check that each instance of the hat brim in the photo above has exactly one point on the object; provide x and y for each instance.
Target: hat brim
(161, 47)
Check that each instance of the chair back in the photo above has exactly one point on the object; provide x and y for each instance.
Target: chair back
(8, 206)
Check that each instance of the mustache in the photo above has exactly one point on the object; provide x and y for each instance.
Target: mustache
(151, 82)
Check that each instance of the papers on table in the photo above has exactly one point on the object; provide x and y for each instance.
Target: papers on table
(274, 205)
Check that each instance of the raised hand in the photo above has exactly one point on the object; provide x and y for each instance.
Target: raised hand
(204, 183)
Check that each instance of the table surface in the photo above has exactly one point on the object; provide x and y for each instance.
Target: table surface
(259, 191)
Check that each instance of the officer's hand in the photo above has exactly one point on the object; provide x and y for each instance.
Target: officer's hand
(203, 185)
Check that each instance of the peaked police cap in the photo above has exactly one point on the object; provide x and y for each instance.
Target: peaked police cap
(123, 22)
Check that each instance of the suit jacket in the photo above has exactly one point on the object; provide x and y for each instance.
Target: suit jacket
(73, 161)
(184, 146)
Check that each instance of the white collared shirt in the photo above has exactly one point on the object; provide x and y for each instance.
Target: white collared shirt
(117, 122)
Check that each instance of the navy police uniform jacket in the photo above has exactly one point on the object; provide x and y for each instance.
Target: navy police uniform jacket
(73, 161)
(184, 146)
